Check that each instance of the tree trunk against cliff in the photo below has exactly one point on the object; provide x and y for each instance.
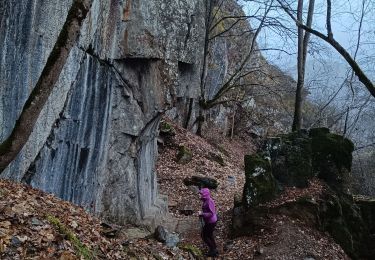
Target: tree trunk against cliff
(190, 110)
(362, 76)
(240, 72)
(209, 4)
(303, 41)
(68, 35)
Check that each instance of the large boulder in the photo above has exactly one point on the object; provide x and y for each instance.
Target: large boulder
(291, 158)
(260, 184)
(201, 182)
(163, 235)
(342, 218)
(332, 158)
(299, 156)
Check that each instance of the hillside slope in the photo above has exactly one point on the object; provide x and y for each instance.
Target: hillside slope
(282, 237)
(36, 225)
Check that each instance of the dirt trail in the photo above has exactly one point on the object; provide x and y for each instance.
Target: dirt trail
(37, 225)
(284, 239)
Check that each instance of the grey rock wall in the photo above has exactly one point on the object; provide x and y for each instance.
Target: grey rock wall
(27, 35)
(95, 140)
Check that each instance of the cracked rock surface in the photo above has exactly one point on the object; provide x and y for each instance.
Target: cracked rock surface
(94, 142)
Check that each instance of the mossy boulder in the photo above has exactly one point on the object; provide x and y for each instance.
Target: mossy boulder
(166, 128)
(291, 158)
(331, 158)
(260, 184)
(184, 155)
(367, 207)
(339, 215)
(343, 218)
(297, 157)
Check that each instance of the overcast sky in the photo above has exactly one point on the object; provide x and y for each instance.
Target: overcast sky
(326, 70)
(345, 23)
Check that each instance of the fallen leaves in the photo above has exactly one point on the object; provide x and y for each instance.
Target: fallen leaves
(231, 180)
(27, 231)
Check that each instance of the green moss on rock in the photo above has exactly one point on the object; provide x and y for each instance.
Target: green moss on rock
(332, 157)
(291, 158)
(184, 155)
(166, 128)
(344, 219)
(80, 248)
(260, 184)
(195, 251)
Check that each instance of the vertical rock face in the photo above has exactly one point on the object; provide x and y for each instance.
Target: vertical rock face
(95, 140)
(28, 31)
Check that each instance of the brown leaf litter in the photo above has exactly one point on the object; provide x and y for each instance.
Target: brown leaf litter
(37, 225)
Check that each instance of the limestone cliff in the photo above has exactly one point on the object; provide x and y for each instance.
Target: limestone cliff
(261, 100)
(94, 142)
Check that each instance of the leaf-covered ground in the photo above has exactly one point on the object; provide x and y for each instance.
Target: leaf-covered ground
(284, 239)
(36, 225)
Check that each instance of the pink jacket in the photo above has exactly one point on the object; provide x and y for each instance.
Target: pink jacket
(208, 206)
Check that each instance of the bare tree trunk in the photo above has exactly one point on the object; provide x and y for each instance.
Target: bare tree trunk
(10, 148)
(209, 9)
(228, 85)
(303, 41)
(190, 110)
(233, 117)
(200, 121)
(362, 76)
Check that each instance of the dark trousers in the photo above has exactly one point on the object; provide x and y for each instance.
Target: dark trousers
(208, 235)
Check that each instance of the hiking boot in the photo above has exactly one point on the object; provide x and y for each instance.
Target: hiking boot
(213, 253)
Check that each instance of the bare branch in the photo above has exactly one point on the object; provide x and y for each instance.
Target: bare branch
(329, 26)
(227, 85)
(217, 10)
(365, 146)
(238, 18)
(338, 47)
(227, 29)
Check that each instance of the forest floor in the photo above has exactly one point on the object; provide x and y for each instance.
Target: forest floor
(36, 225)
(285, 238)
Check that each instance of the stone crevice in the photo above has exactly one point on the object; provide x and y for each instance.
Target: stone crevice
(95, 142)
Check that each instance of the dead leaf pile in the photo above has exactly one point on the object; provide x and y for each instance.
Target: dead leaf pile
(27, 233)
